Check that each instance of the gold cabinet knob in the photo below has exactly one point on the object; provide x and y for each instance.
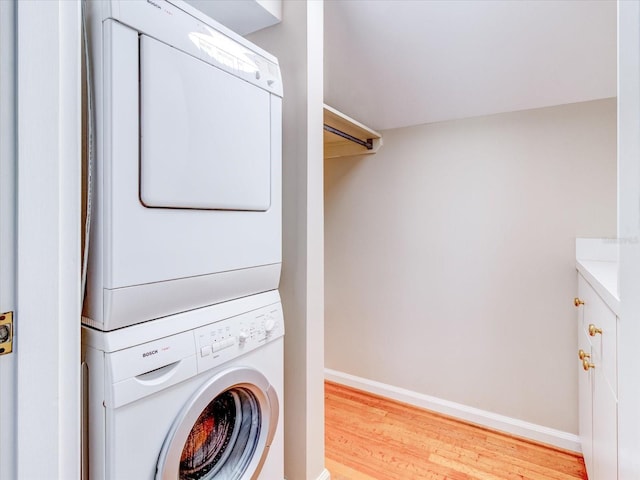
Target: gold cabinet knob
(577, 302)
(593, 330)
(586, 365)
(582, 354)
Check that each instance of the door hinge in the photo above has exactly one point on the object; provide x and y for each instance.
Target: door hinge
(6, 333)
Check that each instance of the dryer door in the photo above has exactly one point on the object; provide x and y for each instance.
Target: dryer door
(224, 431)
(205, 135)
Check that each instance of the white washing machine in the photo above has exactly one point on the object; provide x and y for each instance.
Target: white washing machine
(197, 398)
(187, 209)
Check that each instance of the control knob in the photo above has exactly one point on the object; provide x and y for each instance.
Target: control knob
(243, 336)
(269, 325)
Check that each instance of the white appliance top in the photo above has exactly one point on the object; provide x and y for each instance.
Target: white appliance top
(136, 335)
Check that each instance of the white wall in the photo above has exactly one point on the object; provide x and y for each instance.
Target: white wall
(450, 257)
(298, 44)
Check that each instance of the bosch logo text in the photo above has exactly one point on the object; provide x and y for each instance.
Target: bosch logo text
(148, 354)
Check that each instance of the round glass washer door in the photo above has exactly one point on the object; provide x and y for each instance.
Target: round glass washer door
(224, 430)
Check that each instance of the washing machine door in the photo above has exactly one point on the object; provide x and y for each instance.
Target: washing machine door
(224, 431)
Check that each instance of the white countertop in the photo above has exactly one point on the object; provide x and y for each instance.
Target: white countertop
(596, 260)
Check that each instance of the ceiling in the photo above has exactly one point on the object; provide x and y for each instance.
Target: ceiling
(395, 63)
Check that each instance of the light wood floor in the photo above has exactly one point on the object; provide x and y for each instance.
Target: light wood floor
(372, 438)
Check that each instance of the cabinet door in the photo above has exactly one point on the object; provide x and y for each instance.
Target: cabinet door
(597, 387)
(596, 313)
(605, 430)
(585, 396)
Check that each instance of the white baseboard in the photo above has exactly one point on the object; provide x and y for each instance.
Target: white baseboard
(513, 426)
(325, 475)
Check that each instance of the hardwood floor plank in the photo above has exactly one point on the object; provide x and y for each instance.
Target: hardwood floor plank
(371, 437)
(342, 472)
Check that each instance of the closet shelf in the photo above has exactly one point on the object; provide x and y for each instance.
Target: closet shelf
(344, 136)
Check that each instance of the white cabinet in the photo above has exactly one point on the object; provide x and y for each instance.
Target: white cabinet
(597, 383)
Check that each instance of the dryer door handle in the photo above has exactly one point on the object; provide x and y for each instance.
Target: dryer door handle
(140, 386)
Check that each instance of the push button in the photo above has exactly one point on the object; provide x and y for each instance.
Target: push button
(222, 344)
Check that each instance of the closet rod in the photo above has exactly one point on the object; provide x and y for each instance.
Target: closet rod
(368, 143)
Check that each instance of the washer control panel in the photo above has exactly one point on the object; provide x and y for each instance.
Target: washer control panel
(227, 339)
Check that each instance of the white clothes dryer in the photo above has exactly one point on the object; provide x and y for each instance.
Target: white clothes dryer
(198, 398)
(187, 209)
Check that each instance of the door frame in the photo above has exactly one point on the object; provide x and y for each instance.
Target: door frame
(7, 230)
(43, 267)
(629, 238)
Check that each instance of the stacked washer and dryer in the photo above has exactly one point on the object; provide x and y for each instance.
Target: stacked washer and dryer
(183, 326)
